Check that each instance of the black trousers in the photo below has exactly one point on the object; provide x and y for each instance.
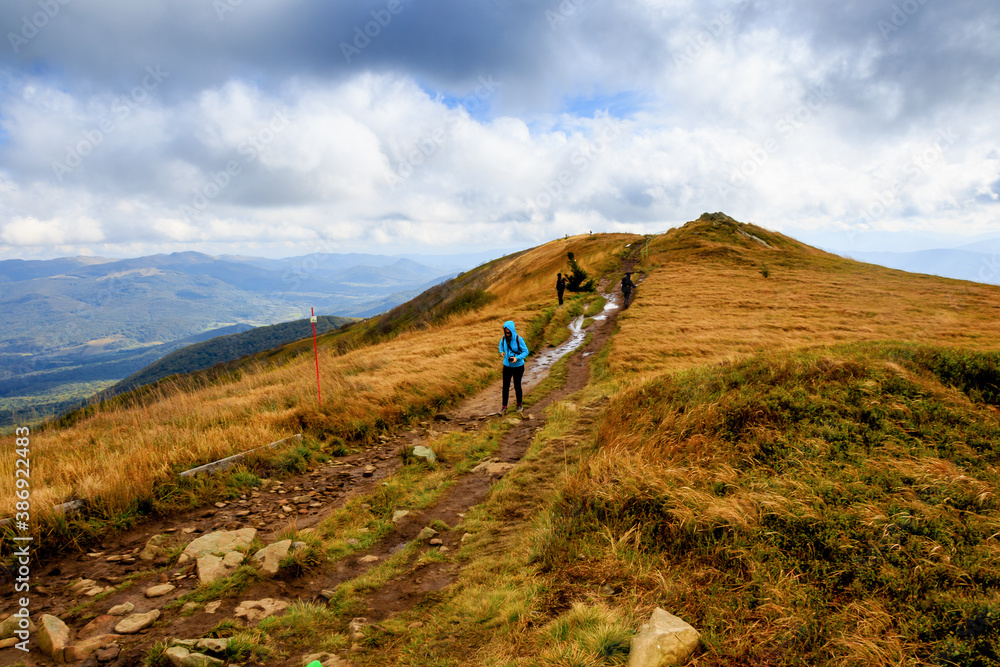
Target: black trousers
(560, 297)
(514, 372)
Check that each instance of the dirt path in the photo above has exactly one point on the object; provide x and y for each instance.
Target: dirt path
(303, 501)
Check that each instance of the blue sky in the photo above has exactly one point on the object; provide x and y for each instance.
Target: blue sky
(281, 128)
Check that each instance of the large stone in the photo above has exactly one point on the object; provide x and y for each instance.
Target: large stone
(53, 636)
(211, 567)
(220, 542)
(155, 547)
(426, 533)
(213, 645)
(181, 657)
(256, 610)
(12, 624)
(83, 649)
(133, 623)
(269, 558)
(664, 640)
(426, 453)
(121, 609)
(160, 590)
(101, 625)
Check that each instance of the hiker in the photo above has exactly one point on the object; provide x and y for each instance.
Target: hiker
(627, 286)
(513, 349)
(560, 286)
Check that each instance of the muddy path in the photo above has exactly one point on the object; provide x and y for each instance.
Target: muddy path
(300, 502)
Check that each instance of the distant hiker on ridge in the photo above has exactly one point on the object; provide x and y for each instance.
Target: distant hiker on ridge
(513, 349)
(560, 286)
(627, 286)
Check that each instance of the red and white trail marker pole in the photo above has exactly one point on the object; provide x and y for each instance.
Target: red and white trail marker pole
(312, 318)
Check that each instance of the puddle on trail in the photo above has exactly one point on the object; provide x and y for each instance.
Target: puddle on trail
(541, 364)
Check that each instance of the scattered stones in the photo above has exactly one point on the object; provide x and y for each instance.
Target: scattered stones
(121, 609)
(270, 557)
(426, 533)
(81, 585)
(101, 625)
(355, 629)
(133, 623)
(255, 610)
(156, 547)
(53, 636)
(82, 650)
(399, 515)
(664, 640)
(159, 591)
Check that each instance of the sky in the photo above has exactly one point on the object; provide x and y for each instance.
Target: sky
(274, 128)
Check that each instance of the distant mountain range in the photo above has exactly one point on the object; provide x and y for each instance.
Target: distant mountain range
(71, 327)
(979, 267)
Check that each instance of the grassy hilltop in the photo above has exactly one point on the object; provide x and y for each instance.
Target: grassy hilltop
(797, 453)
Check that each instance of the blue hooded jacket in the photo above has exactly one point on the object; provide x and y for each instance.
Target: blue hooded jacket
(518, 348)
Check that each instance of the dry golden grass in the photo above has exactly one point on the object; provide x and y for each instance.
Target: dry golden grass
(706, 301)
(119, 454)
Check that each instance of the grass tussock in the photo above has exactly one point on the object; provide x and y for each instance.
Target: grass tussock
(827, 507)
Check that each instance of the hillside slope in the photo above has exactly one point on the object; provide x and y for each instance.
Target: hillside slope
(793, 452)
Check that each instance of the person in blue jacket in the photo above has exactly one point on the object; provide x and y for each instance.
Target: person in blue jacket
(513, 349)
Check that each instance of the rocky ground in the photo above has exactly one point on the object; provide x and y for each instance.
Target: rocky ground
(120, 627)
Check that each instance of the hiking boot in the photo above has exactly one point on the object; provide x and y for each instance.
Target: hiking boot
(520, 408)
(503, 410)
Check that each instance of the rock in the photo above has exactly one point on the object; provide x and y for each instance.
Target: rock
(121, 609)
(441, 417)
(664, 640)
(81, 585)
(12, 624)
(101, 625)
(158, 591)
(213, 607)
(108, 653)
(133, 623)
(426, 453)
(255, 610)
(415, 625)
(155, 547)
(466, 537)
(53, 636)
(269, 558)
(356, 628)
(220, 542)
(82, 650)
(213, 645)
(211, 567)
(368, 559)
(493, 467)
(301, 500)
(287, 509)
(189, 608)
(398, 515)
(10, 641)
(94, 592)
(181, 657)
(368, 471)
(426, 534)
(436, 542)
